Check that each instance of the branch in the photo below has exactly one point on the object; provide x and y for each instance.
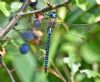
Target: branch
(45, 9)
(8, 71)
(13, 21)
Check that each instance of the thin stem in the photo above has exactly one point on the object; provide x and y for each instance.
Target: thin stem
(58, 71)
(67, 73)
(8, 71)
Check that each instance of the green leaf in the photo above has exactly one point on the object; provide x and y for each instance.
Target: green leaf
(90, 51)
(62, 12)
(4, 9)
(3, 75)
(82, 4)
(89, 73)
(15, 6)
(77, 12)
(55, 40)
(89, 55)
(24, 64)
(67, 47)
(74, 37)
(56, 1)
(97, 79)
(88, 18)
(79, 77)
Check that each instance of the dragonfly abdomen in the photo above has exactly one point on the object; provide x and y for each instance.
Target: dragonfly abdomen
(47, 49)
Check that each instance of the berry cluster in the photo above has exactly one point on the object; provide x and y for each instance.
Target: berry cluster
(30, 37)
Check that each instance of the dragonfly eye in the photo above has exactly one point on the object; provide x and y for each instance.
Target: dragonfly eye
(24, 48)
(52, 14)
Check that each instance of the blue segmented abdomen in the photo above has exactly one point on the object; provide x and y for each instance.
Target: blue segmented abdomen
(47, 49)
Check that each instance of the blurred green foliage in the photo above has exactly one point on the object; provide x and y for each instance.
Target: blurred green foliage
(74, 48)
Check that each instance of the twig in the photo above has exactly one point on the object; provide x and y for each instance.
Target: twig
(45, 9)
(57, 70)
(13, 21)
(67, 73)
(53, 72)
(8, 71)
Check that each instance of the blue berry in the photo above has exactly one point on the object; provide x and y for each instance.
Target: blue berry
(37, 23)
(52, 14)
(24, 48)
(28, 35)
(33, 3)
